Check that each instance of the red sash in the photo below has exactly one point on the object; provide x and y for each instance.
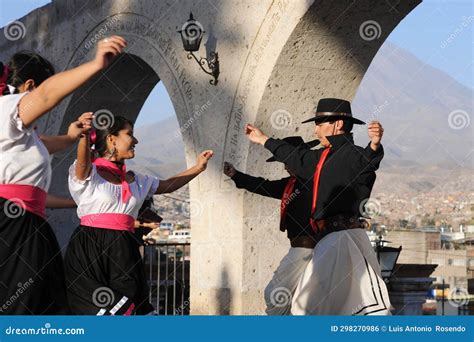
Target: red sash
(285, 201)
(317, 174)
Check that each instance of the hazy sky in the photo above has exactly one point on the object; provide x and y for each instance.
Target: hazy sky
(439, 32)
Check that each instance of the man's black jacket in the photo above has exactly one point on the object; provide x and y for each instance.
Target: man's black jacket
(298, 211)
(347, 176)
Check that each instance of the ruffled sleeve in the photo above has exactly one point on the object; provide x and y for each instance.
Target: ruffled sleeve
(11, 126)
(78, 186)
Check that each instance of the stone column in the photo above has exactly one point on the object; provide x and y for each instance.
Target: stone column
(408, 287)
(408, 295)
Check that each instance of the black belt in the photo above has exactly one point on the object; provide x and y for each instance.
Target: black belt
(340, 222)
(304, 241)
(327, 226)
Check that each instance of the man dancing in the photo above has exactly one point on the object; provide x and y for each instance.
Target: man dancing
(295, 211)
(343, 276)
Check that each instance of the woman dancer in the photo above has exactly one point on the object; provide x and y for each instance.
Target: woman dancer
(31, 274)
(104, 270)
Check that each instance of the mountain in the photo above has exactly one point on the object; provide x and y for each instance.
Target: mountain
(160, 149)
(425, 112)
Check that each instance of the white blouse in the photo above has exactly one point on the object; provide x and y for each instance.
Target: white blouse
(95, 195)
(23, 157)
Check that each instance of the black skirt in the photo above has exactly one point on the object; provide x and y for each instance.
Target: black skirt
(32, 280)
(105, 273)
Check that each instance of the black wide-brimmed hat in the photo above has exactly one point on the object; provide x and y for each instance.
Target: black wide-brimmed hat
(297, 141)
(330, 109)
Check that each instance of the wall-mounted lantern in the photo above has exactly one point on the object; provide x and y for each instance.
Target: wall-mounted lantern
(191, 35)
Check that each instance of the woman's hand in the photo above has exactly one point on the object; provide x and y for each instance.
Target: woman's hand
(107, 50)
(203, 159)
(82, 126)
(53, 90)
(177, 181)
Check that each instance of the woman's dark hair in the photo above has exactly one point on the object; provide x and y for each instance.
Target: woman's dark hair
(118, 123)
(26, 65)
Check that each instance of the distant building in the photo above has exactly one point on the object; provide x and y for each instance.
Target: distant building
(455, 267)
(415, 242)
(468, 228)
(451, 251)
(180, 235)
(166, 226)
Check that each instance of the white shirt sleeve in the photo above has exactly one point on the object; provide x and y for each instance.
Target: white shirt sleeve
(78, 186)
(12, 127)
(147, 185)
(154, 182)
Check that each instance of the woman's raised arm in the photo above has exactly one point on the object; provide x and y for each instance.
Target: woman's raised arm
(183, 178)
(49, 93)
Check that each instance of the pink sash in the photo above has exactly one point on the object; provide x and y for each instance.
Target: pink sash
(109, 221)
(28, 197)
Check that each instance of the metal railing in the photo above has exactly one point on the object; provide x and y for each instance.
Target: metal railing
(167, 267)
(466, 308)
